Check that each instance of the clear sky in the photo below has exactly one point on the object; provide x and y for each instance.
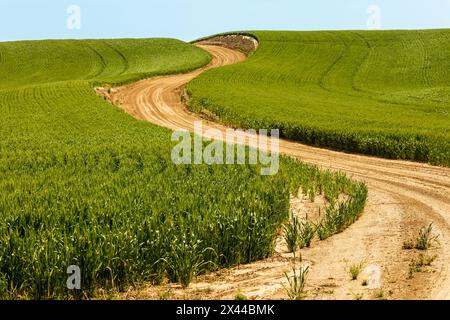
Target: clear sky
(190, 19)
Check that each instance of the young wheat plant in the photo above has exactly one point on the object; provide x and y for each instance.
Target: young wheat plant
(296, 282)
(292, 234)
(355, 269)
(425, 238)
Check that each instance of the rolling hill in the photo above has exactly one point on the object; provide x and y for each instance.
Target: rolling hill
(382, 93)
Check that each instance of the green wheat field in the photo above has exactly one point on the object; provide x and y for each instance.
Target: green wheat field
(381, 93)
(83, 183)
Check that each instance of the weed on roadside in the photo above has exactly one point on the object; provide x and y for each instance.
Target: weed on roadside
(424, 240)
(355, 269)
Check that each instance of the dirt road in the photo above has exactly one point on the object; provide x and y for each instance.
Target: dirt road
(403, 196)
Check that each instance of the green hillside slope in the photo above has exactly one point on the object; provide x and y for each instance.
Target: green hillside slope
(383, 93)
(117, 61)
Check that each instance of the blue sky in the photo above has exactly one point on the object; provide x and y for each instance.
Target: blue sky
(190, 19)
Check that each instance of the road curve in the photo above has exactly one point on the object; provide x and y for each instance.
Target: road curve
(403, 196)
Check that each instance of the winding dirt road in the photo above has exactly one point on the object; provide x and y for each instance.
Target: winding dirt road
(403, 196)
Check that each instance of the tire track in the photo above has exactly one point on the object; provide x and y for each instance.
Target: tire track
(122, 57)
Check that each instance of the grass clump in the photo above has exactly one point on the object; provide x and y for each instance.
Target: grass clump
(296, 283)
(188, 259)
(379, 295)
(292, 234)
(297, 234)
(307, 232)
(355, 269)
(338, 218)
(424, 240)
(164, 295)
(240, 296)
